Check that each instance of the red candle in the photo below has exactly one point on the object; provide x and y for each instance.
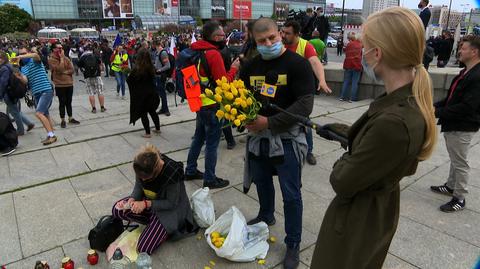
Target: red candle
(92, 257)
(67, 263)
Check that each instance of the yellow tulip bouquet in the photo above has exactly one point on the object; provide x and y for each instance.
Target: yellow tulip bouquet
(238, 106)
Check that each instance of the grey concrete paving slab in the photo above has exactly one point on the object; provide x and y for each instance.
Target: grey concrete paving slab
(425, 210)
(474, 178)
(136, 140)
(100, 190)
(53, 258)
(322, 146)
(392, 262)
(424, 247)
(73, 157)
(422, 170)
(127, 171)
(77, 251)
(48, 216)
(110, 151)
(307, 254)
(350, 115)
(10, 250)
(4, 169)
(300, 266)
(326, 161)
(314, 208)
(31, 168)
(316, 180)
(178, 135)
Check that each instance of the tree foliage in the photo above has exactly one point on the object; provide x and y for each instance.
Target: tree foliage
(13, 19)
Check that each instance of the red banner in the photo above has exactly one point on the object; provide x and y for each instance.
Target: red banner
(242, 9)
(174, 3)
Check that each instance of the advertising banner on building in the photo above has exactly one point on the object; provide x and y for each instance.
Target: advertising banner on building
(218, 9)
(163, 7)
(281, 11)
(174, 3)
(23, 4)
(117, 8)
(242, 9)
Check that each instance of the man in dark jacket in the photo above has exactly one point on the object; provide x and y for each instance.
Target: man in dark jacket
(323, 27)
(425, 13)
(445, 46)
(459, 116)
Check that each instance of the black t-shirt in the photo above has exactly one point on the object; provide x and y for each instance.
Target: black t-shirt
(295, 79)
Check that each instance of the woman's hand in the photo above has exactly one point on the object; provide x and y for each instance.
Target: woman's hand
(138, 207)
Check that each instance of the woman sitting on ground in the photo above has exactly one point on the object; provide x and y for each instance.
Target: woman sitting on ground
(158, 200)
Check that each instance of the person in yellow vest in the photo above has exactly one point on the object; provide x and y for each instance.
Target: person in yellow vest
(293, 42)
(11, 54)
(119, 61)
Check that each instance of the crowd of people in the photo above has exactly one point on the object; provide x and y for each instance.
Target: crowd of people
(385, 144)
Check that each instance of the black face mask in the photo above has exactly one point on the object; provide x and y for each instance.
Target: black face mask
(219, 44)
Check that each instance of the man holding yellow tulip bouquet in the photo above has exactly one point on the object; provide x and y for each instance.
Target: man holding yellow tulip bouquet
(276, 143)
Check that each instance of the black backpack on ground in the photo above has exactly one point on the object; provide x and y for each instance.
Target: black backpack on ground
(90, 66)
(105, 232)
(8, 133)
(16, 88)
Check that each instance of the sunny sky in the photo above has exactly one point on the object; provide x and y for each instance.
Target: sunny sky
(459, 5)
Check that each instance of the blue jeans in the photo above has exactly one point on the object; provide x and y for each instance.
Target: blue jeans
(120, 78)
(208, 131)
(160, 85)
(14, 109)
(43, 101)
(350, 76)
(309, 136)
(289, 174)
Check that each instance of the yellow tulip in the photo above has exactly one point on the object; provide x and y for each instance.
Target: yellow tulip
(224, 80)
(220, 114)
(241, 84)
(237, 122)
(249, 101)
(241, 117)
(233, 111)
(219, 82)
(238, 101)
(202, 95)
(218, 90)
(229, 96)
(225, 86)
(228, 108)
(208, 92)
(244, 104)
(218, 98)
(234, 90)
(227, 116)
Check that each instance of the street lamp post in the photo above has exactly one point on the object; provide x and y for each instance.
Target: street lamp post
(448, 16)
(343, 11)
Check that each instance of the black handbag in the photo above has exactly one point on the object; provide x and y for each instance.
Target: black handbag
(105, 232)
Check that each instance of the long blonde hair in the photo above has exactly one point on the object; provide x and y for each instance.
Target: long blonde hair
(400, 35)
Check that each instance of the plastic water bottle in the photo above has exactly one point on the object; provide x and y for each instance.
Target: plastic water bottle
(144, 261)
(119, 261)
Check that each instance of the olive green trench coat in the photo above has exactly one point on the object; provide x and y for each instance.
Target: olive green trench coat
(360, 222)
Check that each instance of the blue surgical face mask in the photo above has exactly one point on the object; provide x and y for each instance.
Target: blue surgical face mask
(369, 70)
(271, 52)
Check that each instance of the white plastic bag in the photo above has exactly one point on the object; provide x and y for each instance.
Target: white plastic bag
(243, 243)
(202, 207)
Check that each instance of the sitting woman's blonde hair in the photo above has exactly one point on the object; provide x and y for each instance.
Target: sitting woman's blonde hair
(146, 161)
(400, 35)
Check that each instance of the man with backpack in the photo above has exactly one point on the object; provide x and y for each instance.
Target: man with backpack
(91, 66)
(206, 55)
(11, 91)
(163, 70)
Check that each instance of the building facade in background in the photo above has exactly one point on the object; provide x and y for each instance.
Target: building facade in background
(440, 17)
(372, 6)
(51, 10)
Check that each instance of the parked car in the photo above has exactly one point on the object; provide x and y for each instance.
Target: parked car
(331, 42)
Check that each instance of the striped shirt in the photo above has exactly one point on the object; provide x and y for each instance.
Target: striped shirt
(37, 77)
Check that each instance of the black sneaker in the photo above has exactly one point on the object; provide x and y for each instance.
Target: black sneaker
(94, 110)
(103, 109)
(311, 160)
(217, 183)
(453, 206)
(231, 145)
(73, 121)
(167, 114)
(63, 124)
(7, 151)
(292, 259)
(443, 189)
(259, 219)
(197, 175)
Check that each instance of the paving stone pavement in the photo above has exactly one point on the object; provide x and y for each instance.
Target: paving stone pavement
(51, 196)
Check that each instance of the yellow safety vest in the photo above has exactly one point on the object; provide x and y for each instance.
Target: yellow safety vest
(117, 62)
(204, 81)
(11, 55)
(302, 44)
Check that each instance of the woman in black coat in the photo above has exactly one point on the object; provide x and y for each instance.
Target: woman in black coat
(143, 98)
(158, 200)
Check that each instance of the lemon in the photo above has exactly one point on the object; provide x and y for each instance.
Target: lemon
(212, 263)
(218, 244)
(207, 267)
(218, 98)
(273, 239)
(261, 262)
(215, 234)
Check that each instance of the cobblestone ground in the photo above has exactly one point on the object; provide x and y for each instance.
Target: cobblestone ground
(50, 197)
